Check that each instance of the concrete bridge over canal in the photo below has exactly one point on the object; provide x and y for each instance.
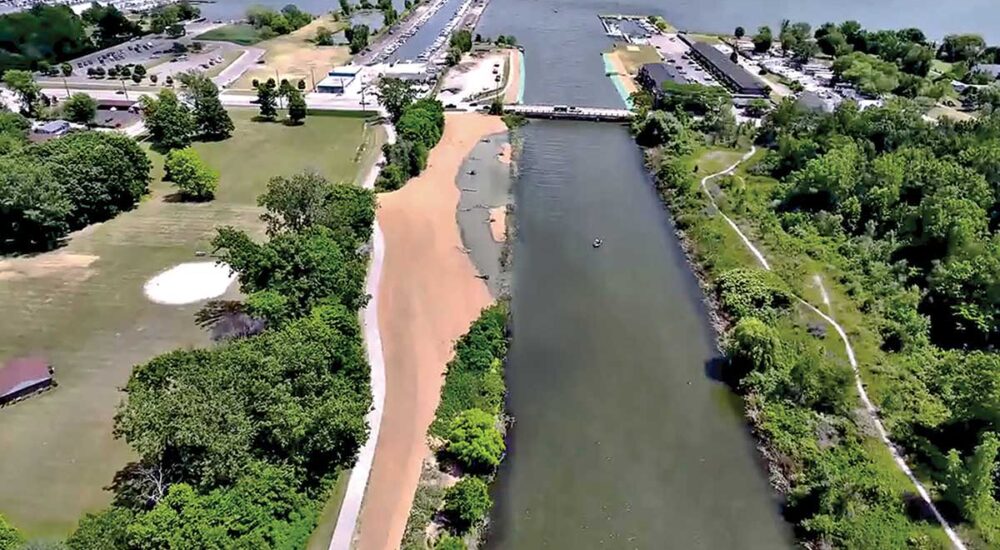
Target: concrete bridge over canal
(570, 112)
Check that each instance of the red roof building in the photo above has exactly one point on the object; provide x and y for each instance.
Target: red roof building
(23, 376)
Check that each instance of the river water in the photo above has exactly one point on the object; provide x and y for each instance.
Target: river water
(623, 439)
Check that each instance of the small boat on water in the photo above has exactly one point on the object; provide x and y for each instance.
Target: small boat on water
(598, 243)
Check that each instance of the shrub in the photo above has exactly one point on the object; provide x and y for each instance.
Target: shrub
(195, 180)
(751, 346)
(475, 440)
(448, 542)
(467, 503)
(751, 293)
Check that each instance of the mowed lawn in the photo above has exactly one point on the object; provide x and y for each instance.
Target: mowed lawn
(83, 308)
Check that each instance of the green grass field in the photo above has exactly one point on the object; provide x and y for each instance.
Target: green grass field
(239, 33)
(83, 308)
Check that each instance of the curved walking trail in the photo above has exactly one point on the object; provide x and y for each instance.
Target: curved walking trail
(869, 406)
(350, 509)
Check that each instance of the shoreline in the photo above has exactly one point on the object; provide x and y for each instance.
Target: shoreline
(429, 294)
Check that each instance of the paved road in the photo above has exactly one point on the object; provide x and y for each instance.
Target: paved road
(236, 69)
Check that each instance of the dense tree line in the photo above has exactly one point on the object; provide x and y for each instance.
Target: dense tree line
(238, 444)
(270, 23)
(419, 126)
(52, 188)
(43, 33)
(172, 124)
(469, 418)
(902, 215)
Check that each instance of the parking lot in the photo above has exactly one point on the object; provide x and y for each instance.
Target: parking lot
(160, 56)
(675, 53)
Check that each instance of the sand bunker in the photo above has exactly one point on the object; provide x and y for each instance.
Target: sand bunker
(498, 223)
(56, 263)
(189, 282)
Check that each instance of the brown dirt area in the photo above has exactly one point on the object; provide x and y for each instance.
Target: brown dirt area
(294, 56)
(498, 223)
(429, 296)
(72, 266)
(627, 59)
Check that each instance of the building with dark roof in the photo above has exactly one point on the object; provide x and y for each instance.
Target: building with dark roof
(22, 377)
(731, 75)
(652, 76)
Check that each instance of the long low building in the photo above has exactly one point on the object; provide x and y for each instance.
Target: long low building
(652, 76)
(731, 75)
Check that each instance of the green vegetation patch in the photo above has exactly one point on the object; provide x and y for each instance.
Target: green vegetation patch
(99, 276)
(244, 34)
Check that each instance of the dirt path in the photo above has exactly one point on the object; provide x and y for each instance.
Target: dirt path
(428, 296)
(870, 408)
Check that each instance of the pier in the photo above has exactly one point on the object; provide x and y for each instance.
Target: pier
(593, 114)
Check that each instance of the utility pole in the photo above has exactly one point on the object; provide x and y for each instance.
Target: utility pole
(65, 85)
(124, 89)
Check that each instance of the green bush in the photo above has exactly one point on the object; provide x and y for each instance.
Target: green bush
(474, 379)
(10, 538)
(467, 503)
(195, 180)
(448, 542)
(475, 440)
(751, 293)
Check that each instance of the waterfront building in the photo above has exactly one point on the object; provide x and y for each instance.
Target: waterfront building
(731, 75)
(338, 79)
(652, 76)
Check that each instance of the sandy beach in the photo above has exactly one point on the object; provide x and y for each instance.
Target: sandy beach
(429, 294)
(619, 66)
(498, 223)
(510, 94)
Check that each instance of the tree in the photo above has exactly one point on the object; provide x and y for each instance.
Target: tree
(345, 7)
(961, 47)
(661, 128)
(106, 530)
(112, 26)
(324, 36)
(308, 199)
(137, 78)
(357, 37)
(34, 206)
(195, 180)
(102, 173)
(970, 484)
(306, 267)
(763, 39)
(454, 56)
(475, 441)
(49, 33)
(10, 538)
(301, 85)
(462, 40)
(176, 30)
(751, 346)
(210, 116)
(80, 108)
(389, 15)
(66, 69)
(449, 542)
(395, 95)
(739, 33)
(296, 106)
(758, 107)
(804, 50)
(466, 503)
(268, 102)
(28, 91)
(169, 121)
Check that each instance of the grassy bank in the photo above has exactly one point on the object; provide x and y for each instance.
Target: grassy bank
(82, 307)
(244, 34)
(840, 481)
(474, 383)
